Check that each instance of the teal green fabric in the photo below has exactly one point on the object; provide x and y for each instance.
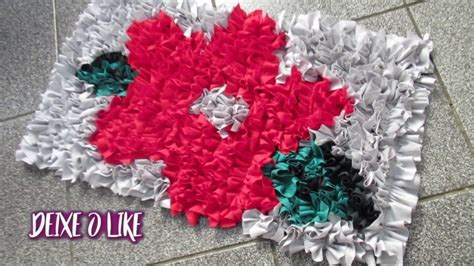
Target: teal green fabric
(304, 188)
(109, 77)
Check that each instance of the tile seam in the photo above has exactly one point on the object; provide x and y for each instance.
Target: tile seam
(56, 55)
(16, 117)
(56, 49)
(207, 252)
(416, 2)
(274, 254)
(444, 89)
(452, 107)
(446, 194)
(392, 9)
(55, 27)
(68, 205)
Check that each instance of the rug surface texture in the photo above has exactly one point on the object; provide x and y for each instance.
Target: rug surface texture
(304, 130)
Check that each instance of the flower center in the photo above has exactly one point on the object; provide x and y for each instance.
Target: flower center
(221, 110)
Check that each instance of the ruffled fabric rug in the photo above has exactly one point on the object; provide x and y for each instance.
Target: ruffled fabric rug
(304, 129)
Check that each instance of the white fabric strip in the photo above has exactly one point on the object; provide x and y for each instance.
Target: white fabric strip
(221, 110)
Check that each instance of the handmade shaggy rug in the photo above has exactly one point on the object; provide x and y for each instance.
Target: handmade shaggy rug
(304, 130)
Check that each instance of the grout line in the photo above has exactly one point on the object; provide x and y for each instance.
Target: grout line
(457, 118)
(444, 88)
(416, 2)
(68, 205)
(274, 253)
(447, 194)
(71, 253)
(56, 53)
(412, 19)
(385, 11)
(16, 116)
(207, 252)
(55, 26)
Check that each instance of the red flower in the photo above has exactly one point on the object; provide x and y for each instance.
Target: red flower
(210, 176)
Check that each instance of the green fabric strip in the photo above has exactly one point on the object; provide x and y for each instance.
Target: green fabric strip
(304, 187)
(109, 73)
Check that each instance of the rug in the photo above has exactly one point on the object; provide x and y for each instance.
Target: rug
(302, 129)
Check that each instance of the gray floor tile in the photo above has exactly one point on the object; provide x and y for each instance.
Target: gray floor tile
(347, 9)
(259, 253)
(27, 53)
(450, 26)
(164, 236)
(446, 163)
(23, 191)
(67, 13)
(395, 22)
(442, 232)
